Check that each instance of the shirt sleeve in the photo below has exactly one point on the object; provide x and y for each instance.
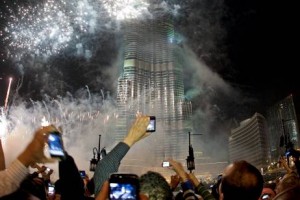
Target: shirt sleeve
(109, 164)
(202, 191)
(12, 177)
(188, 191)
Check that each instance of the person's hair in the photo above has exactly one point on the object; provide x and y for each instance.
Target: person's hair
(29, 187)
(244, 181)
(271, 185)
(58, 186)
(155, 186)
(91, 186)
(179, 196)
(35, 187)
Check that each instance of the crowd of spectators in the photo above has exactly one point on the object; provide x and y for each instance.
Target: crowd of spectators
(239, 180)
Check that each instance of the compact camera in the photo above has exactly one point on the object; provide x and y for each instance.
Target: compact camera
(55, 144)
(152, 124)
(123, 186)
(165, 164)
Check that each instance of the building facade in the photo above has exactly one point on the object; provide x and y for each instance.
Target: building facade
(283, 127)
(249, 142)
(152, 83)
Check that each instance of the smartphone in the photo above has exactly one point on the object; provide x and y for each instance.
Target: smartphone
(165, 164)
(82, 173)
(123, 186)
(152, 124)
(55, 145)
(51, 189)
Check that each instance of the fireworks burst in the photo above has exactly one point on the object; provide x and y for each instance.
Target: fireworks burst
(40, 29)
(50, 26)
(126, 9)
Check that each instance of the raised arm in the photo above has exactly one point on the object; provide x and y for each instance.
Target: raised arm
(111, 162)
(18, 170)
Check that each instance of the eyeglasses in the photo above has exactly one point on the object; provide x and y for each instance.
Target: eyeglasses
(219, 177)
(265, 196)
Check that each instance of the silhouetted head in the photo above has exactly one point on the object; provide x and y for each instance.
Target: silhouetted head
(268, 192)
(155, 186)
(241, 180)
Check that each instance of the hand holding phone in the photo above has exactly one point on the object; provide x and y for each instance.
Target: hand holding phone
(55, 144)
(152, 124)
(165, 164)
(51, 189)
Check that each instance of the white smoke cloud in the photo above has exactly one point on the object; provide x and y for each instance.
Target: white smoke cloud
(82, 114)
(82, 120)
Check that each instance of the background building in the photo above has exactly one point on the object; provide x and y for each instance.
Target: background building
(282, 121)
(151, 82)
(249, 142)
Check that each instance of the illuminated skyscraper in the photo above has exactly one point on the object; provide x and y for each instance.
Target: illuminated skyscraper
(282, 122)
(152, 83)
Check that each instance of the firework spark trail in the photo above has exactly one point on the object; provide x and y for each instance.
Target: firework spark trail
(7, 94)
(126, 9)
(48, 27)
(40, 29)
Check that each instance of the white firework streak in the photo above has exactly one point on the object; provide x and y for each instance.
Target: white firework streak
(48, 27)
(40, 29)
(126, 9)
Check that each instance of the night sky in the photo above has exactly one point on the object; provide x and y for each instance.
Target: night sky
(262, 47)
(267, 52)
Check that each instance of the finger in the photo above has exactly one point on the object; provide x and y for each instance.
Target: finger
(138, 114)
(60, 129)
(146, 135)
(49, 128)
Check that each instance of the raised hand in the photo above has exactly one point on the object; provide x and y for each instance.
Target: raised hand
(137, 130)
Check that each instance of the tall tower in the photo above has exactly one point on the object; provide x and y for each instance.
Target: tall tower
(152, 83)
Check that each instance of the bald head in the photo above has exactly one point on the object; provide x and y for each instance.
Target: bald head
(241, 180)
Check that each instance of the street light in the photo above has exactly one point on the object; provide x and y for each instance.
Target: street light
(190, 160)
(94, 161)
